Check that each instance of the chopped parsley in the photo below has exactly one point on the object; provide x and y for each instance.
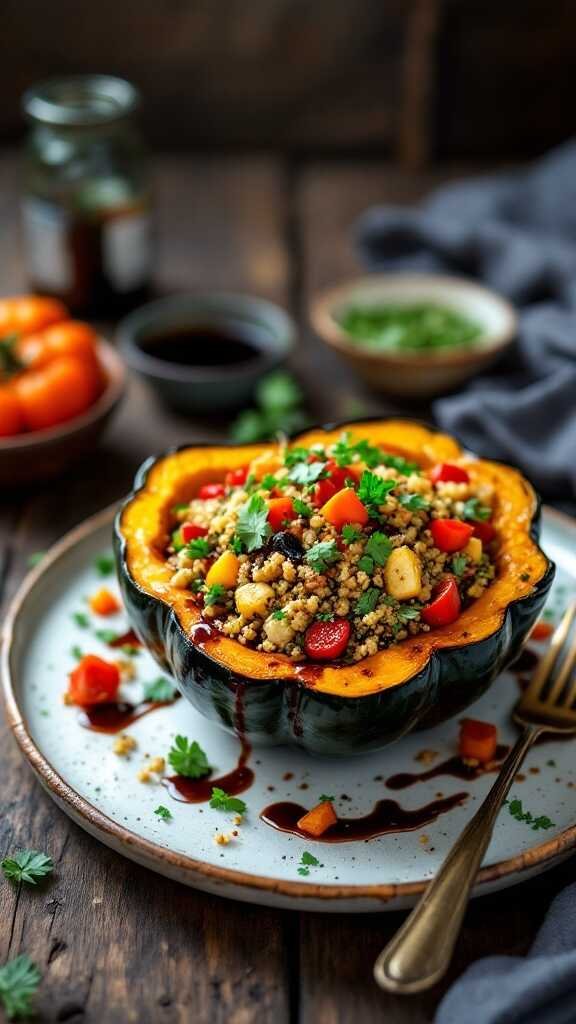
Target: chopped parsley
(459, 563)
(214, 594)
(104, 565)
(19, 979)
(198, 548)
(27, 866)
(81, 619)
(77, 652)
(366, 564)
(220, 801)
(518, 812)
(323, 799)
(406, 612)
(160, 690)
(130, 650)
(279, 614)
(188, 758)
(344, 452)
(373, 490)
(378, 548)
(322, 554)
(236, 545)
(163, 813)
(368, 601)
(302, 508)
(305, 473)
(474, 510)
(350, 533)
(307, 860)
(253, 528)
(325, 617)
(294, 455)
(413, 502)
(107, 636)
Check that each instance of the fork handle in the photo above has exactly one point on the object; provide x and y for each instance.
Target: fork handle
(420, 952)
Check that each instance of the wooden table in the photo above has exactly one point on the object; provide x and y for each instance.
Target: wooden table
(115, 942)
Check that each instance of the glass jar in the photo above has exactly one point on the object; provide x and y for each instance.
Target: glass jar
(86, 205)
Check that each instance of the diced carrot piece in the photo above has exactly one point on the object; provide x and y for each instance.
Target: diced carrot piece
(11, 418)
(343, 508)
(478, 740)
(541, 631)
(103, 602)
(280, 511)
(93, 681)
(317, 821)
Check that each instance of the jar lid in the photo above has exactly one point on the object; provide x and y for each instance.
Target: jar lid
(80, 100)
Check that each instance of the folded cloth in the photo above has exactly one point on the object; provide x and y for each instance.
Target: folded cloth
(537, 989)
(517, 233)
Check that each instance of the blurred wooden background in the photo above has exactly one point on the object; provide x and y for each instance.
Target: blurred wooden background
(416, 80)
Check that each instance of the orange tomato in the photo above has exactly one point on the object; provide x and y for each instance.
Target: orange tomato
(56, 392)
(21, 314)
(11, 418)
(68, 338)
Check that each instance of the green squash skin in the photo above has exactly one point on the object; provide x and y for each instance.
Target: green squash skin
(274, 711)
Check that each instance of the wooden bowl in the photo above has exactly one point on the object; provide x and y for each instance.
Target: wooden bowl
(41, 454)
(415, 375)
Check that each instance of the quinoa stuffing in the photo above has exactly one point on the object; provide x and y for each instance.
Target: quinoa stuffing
(333, 553)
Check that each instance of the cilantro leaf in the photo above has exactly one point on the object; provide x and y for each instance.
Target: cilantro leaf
(366, 564)
(325, 617)
(344, 452)
(322, 554)
(373, 490)
(350, 533)
(27, 866)
(368, 601)
(253, 528)
(378, 547)
(413, 502)
(474, 510)
(302, 508)
(198, 548)
(517, 811)
(309, 859)
(19, 979)
(160, 690)
(214, 594)
(459, 563)
(163, 813)
(104, 565)
(407, 612)
(188, 758)
(236, 545)
(220, 801)
(307, 472)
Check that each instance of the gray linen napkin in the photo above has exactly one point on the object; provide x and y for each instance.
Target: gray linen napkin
(517, 233)
(537, 989)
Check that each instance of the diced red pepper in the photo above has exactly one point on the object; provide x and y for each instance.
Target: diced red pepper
(323, 490)
(325, 641)
(484, 531)
(541, 631)
(280, 510)
(211, 491)
(190, 531)
(338, 475)
(478, 740)
(446, 472)
(236, 477)
(445, 605)
(93, 681)
(450, 534)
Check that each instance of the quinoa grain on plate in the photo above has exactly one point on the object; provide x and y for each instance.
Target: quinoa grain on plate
(333, 553)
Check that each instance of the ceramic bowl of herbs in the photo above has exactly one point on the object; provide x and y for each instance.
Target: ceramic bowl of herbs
(415, 335)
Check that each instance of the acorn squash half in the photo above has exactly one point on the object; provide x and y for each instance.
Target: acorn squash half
(335, 710)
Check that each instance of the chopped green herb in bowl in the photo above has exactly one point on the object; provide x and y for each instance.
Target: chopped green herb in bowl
(419, 327)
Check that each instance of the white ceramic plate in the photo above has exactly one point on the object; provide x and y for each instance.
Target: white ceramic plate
(100, 790)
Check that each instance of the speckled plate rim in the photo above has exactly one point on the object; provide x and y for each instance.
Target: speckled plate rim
(199, 874)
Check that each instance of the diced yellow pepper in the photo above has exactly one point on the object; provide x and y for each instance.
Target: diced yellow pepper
(224, 570)
(473, 549)
(403, 575)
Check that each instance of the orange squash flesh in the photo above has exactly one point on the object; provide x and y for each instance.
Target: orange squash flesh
(146, 521)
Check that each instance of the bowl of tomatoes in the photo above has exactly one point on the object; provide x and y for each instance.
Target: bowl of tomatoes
(59, 384)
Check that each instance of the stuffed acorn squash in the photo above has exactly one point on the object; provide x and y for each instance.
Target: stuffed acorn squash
(335, 593)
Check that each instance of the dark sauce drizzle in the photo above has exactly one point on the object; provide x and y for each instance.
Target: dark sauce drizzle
(117, 715)
(454, 766)
(386, 816)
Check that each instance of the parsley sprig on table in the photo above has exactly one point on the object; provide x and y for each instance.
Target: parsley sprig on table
(27, 866)
(252, 527)
(19, 979)
(220, 801)
(187, 758)
(160, 690)
(279, 408)
(322, 554)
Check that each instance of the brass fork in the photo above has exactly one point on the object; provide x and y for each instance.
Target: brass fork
(420, 952)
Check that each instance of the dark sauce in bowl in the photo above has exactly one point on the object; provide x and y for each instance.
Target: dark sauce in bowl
(201, 345)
